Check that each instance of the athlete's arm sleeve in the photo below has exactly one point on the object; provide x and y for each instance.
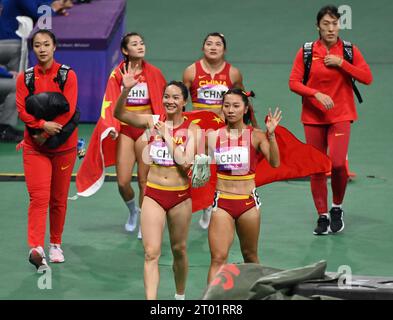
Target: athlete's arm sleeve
(21, 94)
(5, 74)
(359, 70)
(296, 77)
(71, 94)
(30, 7)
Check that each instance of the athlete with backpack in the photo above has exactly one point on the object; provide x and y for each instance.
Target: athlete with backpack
(323, 73)
(46, 97)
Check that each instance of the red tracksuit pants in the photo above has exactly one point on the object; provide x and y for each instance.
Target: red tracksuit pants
(334, 137)
(48, 179)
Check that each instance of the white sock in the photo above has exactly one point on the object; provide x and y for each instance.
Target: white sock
(180, 296)
(324, 214)
(133, 216)
(132, 206)
(337, 205)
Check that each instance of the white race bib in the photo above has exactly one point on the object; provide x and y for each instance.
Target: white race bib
(139, 95)
(160, 155)
(232, 158)
(211, 93)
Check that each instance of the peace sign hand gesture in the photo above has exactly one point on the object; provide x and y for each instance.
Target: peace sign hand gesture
(273, 120)
(128, 75)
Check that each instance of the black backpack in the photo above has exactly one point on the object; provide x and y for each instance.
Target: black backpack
(348, 56)
(61, 79)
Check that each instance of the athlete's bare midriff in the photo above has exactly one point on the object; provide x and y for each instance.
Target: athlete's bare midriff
(244, 187)
(167, 176)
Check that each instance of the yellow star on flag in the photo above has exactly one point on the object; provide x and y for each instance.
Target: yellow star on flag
(105, 105)
(196, 121)
(217, 119)
(113, 74)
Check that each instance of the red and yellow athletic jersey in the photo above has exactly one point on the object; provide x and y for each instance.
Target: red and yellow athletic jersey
(138, 98)
(236, 159)
(206, 92)
(159, 152)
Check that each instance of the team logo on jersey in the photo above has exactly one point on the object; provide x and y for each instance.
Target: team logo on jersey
(213, 82)
(177, 140)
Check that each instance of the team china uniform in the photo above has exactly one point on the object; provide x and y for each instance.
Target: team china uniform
(236, 160)
(335, 82)
(101, 151)
(47, 170)
(207, 92)
(329, 128)
(138, 99)
(167, 196)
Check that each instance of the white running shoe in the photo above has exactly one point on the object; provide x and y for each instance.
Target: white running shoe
(205, 218)
(55, 254)
(37, 258)
(180, 296)
(131, 223)
(140, 233)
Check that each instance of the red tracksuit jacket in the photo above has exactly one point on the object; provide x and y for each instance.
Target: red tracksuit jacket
(44, 82)
(333, 81)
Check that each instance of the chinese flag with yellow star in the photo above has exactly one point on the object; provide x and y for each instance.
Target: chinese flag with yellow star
(101, 152)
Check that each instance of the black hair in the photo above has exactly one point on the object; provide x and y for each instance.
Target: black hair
(331, 10)
(182, 87)
(216, 34)
(245, 98)
(124, 43)
(44, 31)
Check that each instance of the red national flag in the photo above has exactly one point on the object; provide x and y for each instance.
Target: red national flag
(203, 197)
(101, 152)
(297, 160)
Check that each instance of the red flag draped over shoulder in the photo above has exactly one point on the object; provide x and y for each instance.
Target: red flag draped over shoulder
(297, 160)
(101, 151)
